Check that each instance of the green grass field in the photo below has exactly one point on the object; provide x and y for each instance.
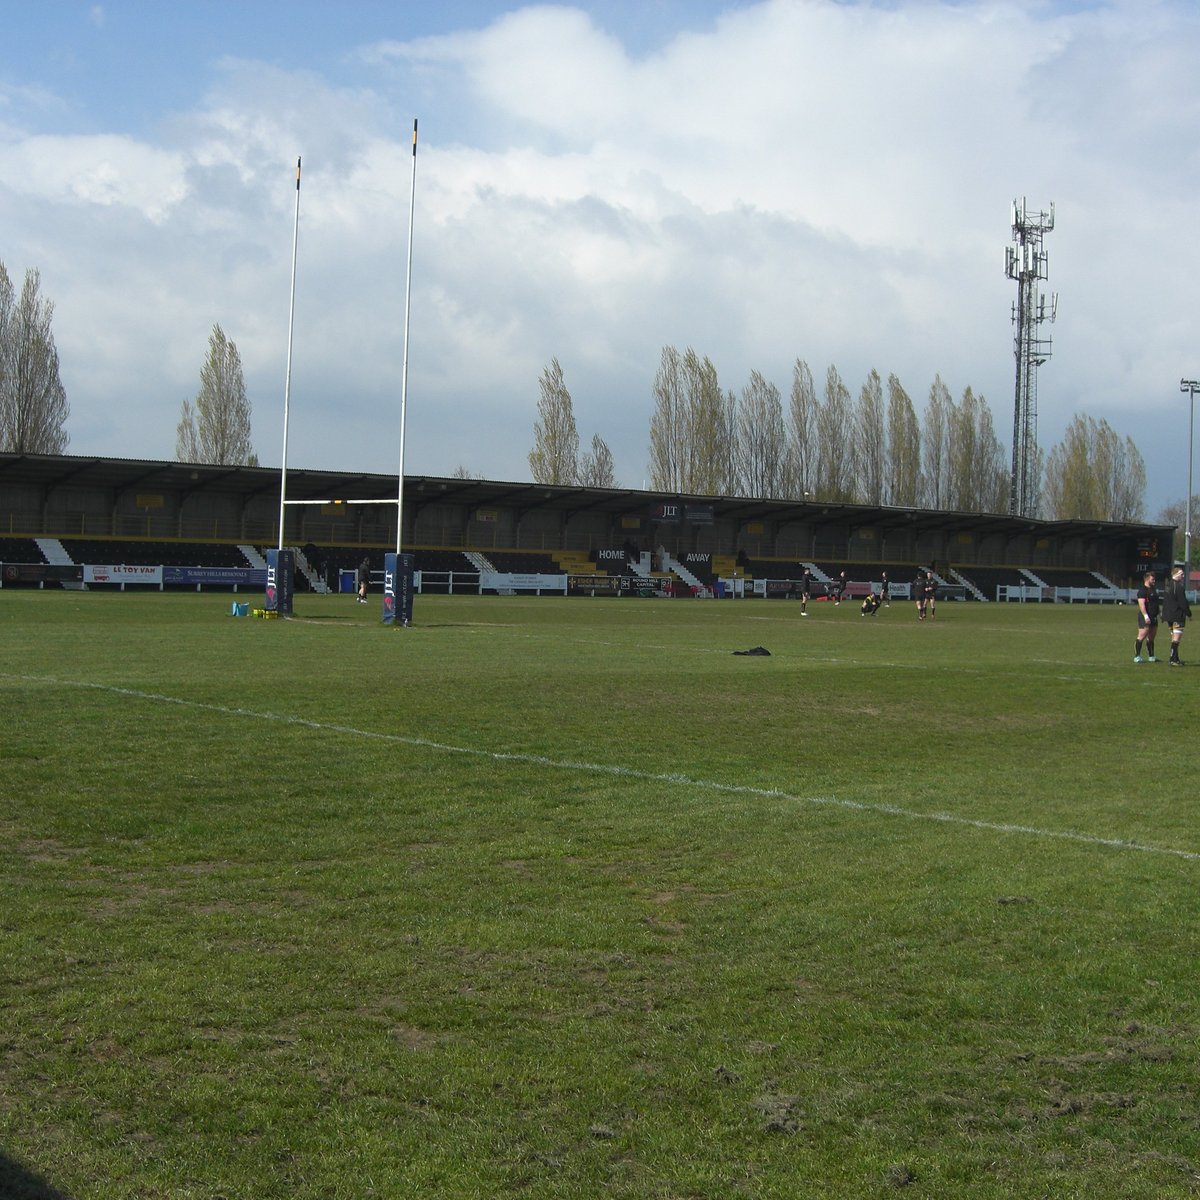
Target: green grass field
(561, 898)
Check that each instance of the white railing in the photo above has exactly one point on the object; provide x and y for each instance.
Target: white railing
(1028, 594)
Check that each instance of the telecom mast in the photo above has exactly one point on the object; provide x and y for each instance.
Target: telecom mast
(1026, 263)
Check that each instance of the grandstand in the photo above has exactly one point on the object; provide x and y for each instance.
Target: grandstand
(63, 512)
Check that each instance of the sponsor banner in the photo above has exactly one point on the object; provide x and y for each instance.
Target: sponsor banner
(122, 573)
(593, 585)
(636, 585)
(278, 598)
(40, 573)
(694, 514)
(397, 589)
(507, 581)
(216, 576)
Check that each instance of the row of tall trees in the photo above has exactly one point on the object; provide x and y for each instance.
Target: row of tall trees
(828, 444)
(33, 402)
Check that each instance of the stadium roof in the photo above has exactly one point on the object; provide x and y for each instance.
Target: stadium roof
(119, 475)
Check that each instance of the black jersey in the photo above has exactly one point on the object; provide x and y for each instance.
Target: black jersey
(1150, 596)
(1176, 608)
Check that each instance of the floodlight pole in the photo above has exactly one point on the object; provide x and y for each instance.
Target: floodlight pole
(1191, 386)
(412, 205)
(287, 385)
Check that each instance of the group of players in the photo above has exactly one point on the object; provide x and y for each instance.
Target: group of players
(1175, 610)
(923, 591)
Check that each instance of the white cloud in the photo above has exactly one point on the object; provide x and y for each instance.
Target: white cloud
(100, 170)
(809, 179)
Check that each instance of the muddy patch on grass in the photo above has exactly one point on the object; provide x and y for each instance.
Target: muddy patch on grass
(781, 1113)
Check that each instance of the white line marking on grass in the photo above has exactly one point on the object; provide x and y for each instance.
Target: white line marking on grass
(618, 772)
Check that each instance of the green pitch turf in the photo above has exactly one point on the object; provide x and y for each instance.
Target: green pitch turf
(563, 898)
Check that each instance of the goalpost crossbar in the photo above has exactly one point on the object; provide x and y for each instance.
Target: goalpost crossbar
(392, 502)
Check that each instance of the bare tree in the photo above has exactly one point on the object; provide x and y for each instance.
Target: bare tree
(762, 441)
(1176, 513)
(904, 448)
(834, 420)
(555, 454)
(216, 428)
(869, 442)
(33, 402)
(596, 466)
(802, 433)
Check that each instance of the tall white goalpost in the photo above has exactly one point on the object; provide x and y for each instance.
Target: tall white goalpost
(398, 567)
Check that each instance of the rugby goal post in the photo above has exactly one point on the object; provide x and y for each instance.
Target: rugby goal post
(398, 567)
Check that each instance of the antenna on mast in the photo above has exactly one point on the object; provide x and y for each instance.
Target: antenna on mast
(1026, 263)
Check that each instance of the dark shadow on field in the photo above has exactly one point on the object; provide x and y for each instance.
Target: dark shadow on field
(19, 1183)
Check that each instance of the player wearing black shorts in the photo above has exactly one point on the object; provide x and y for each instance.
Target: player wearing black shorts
(805, 591)
(1176, 611)
(1147, 618)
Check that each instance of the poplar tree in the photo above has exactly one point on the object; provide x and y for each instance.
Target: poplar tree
(668, 424)
(33, 402)
(834, 461)
(761, 440)
(976, 479)
(1093, 474)
(596, 467)
(216, 427)
(707, 451)
(555, 454)
(803, 406)
(869, 442)
(690, 428)
(933, 443)
(904, 448)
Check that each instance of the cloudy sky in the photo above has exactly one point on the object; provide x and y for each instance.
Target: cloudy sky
(764, 181)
